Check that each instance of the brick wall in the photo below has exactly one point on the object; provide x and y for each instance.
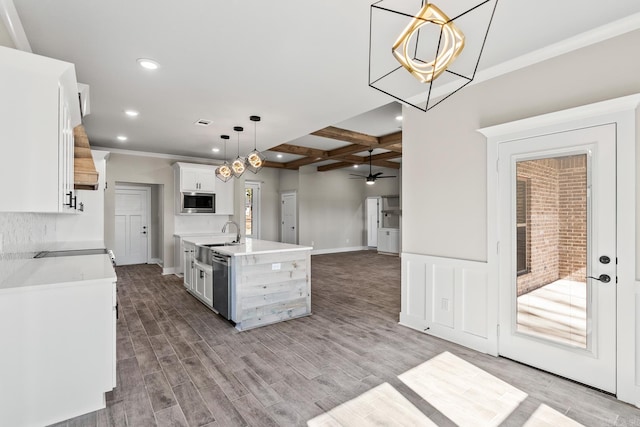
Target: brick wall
(542, 223)
(556, 220)
(572, 199)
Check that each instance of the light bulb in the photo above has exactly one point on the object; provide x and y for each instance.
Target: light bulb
(238, 166)
(255, 160)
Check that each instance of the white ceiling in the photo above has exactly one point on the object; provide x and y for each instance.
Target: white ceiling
(300, 65)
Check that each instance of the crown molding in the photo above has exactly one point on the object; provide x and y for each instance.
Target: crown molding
(203, 160)
(587, 38)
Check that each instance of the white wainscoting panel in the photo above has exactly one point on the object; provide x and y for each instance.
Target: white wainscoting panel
(450, 299)
(475, 302)
(444, 284)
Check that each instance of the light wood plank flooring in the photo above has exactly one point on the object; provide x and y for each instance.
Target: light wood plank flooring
(349, 364)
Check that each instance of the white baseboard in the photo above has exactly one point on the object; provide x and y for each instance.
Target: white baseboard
(156, 261)
(170, 270)
(338, 250)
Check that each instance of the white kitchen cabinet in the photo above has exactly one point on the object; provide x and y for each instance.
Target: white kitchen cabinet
(197, 178)
(190, 177)
(59, 339)
(224, 197)
(203, 288)
(38, 112)
(189, 265)
(389, 240)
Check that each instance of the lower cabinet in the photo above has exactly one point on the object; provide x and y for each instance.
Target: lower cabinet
(189, 253)
(58, 358)
(389, 240)
(203, 288)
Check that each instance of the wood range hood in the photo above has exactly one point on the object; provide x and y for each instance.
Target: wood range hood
(84, 169)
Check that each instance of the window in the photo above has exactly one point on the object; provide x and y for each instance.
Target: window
(522, 243)
(252, 209)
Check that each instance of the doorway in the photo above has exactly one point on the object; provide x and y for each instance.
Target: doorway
(557, 255)
(373, 220)
(289, 218)
(252, 198)
(132, 225)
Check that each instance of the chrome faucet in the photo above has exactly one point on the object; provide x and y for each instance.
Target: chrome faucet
(224, 230)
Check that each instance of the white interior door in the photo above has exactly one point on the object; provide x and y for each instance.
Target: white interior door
(373, 221)
(557, 227)
(132, 225)
(289, 218)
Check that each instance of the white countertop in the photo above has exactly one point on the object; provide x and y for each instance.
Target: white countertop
(32, 273)
(248, 246)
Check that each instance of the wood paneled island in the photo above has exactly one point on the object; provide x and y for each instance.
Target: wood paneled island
(270, 281)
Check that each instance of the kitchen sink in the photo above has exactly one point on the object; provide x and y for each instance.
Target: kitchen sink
(212, 245)
(203, 253)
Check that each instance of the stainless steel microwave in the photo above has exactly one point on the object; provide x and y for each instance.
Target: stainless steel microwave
(197, 203)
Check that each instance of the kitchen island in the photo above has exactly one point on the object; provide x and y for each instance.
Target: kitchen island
(268, 282)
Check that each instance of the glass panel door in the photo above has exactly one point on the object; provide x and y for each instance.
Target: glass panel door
(557, 230)
(551, 207)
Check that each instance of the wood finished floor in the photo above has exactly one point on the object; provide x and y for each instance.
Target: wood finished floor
(350, 363)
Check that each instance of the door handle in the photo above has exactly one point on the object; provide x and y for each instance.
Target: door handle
(604, 278)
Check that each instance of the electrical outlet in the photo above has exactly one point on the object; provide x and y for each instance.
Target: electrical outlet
(347, 240)
(276, 266)
(312, 243)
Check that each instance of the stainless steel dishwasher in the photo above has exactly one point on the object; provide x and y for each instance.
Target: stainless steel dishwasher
(221, 283)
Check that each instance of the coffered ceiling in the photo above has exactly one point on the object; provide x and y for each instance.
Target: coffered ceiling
(302, 66)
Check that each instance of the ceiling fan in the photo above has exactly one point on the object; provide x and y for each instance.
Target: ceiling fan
(371, 178)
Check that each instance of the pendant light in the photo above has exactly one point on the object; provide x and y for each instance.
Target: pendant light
(238, 166)
(223, 172)
(255, 159)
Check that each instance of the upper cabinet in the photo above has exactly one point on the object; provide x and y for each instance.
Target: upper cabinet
(197, 178)
(38, 112)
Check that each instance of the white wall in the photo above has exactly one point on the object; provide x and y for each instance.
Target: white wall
(445, 187)
(444, 157)
(141, 170)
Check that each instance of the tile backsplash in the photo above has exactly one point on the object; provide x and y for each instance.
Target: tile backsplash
(22, 234)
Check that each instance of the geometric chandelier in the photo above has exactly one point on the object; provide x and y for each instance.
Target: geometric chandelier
(420, 53)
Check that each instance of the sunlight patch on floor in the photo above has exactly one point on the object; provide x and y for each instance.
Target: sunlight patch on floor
(381, 406)
(545, 416)
(462, 392)
(557, 311)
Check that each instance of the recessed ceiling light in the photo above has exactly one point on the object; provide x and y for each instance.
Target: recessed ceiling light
(215, 150)
(355, 166)
(399, 118)
(149, 64)
(131, 113)
(121, 138)
(279, 156)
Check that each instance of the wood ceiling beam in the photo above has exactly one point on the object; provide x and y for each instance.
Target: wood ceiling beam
(385, 156)
(302, 162)
(341, 165)
(333, 166)
(359, 142)
(386, 164)
(392, 138)
(346, 135)
(270, 164)
(298, 150)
